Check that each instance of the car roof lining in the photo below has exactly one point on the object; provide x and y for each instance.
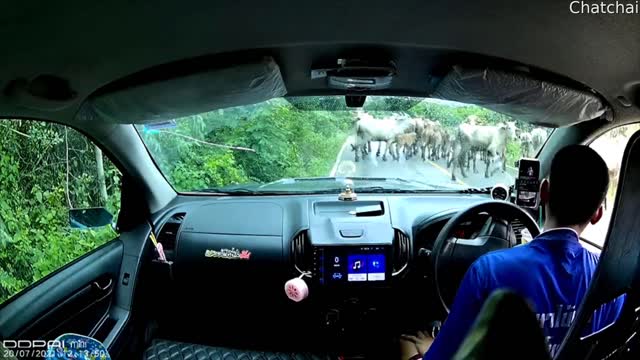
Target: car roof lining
(208, 83)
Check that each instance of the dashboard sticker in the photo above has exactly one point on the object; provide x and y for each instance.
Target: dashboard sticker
(231, 254)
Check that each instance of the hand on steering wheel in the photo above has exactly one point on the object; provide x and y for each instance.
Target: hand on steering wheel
(451, 257)
(414, 346)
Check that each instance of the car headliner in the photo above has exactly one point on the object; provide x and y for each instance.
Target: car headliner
(92, 44)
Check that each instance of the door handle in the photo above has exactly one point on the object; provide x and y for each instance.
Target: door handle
(105, 287)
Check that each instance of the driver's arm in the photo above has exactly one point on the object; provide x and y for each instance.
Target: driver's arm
(466, 306)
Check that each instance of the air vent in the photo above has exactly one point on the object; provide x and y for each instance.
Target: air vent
(401, 252)
(301, 260)
(517, 227)
(169, 232)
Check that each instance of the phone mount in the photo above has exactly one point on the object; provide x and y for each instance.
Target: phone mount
(528, 183)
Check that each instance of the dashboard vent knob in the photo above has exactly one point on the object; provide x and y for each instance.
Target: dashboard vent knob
(401, 252)
(168, 234)
(518, 229)
(301, 260)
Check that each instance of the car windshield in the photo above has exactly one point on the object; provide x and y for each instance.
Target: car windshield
(314, 144)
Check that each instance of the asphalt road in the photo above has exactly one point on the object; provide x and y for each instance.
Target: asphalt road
(432, 172)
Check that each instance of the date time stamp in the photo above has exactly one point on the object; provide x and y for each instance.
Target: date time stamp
(24, 353)
(58, 353)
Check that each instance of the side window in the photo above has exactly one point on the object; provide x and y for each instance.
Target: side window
(610, 146)
(45, 170)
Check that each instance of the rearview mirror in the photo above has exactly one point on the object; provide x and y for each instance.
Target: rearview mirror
(89, 218)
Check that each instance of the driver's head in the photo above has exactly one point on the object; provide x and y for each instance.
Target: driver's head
(576, 188)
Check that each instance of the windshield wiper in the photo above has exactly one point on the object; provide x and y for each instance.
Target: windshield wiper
(247, 192)
(485, 190)
(386, 190)
(472, 190)
(217, 191)
(335, 191)
(341, 179)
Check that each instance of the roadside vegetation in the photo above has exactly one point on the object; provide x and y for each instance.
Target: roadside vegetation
(268, 142)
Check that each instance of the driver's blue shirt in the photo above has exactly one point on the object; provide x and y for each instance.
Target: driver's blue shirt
(553, 272)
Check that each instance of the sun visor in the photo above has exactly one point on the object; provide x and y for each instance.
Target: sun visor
(521, 96)
(162, 100)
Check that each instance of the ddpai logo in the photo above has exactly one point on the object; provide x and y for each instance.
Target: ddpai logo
(31, 344)
(230, 254)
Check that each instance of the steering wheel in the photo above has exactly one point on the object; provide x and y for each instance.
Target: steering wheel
(451, 257)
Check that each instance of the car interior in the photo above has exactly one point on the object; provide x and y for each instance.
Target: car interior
(104, 69)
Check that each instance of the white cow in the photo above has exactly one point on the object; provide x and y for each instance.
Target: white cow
(430, 138)
(448, 144)
(491, 138)
(419, 126)
(538, 137)
(526, 144)
(384, 130)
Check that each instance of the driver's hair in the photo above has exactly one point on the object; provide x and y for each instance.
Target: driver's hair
(578, 183)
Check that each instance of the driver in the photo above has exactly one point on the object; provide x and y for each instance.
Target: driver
(553, 271)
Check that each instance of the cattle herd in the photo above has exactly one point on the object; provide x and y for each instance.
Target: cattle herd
(459, 147)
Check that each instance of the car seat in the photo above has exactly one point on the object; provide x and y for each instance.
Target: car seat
(173, 350)
(506, 328)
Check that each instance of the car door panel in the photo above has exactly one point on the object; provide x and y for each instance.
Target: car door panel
(81, 312)
(75, 299)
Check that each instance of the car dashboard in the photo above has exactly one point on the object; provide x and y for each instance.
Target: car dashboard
(364, 261)
(282, 232)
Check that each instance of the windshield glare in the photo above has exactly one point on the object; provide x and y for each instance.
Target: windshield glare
(312, 144)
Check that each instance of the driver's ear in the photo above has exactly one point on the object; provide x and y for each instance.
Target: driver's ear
(597, 215)
(544, 192)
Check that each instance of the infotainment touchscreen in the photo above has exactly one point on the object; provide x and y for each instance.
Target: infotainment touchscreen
(341, 265)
